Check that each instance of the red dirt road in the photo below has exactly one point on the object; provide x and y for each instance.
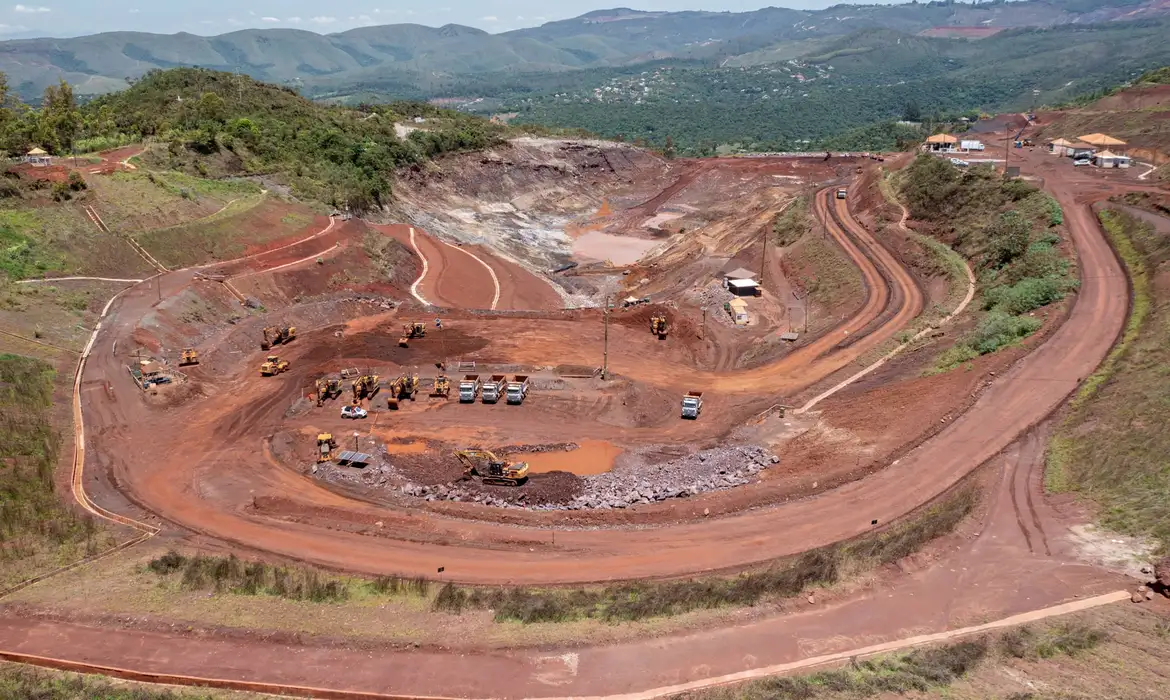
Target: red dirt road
(205, 491)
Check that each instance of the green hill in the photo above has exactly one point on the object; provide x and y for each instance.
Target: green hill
(428, 60)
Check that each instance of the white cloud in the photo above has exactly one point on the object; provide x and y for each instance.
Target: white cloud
(323, 20)
(293, 20)
(234, 22)
(134, 11)
(489, 18)
(11, 28)
(270, 19)
(30, 9)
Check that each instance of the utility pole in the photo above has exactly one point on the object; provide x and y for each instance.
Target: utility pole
(605, 351)
(764, 253)
(704, 328)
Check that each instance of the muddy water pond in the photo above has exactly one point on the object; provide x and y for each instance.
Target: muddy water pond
(619, 250)
(592, 457)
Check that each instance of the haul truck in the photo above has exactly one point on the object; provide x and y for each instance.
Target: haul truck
(494, 387)
(692, 404)
(518, 389)
(469, 388)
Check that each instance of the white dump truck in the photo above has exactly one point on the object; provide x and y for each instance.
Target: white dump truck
(692, 404)
(494, 387)
(518, 389)
(469, 388)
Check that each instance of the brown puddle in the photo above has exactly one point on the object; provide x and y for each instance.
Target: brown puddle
(406, 448)
(592, 457)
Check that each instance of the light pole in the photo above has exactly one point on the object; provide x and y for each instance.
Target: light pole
(605, 350)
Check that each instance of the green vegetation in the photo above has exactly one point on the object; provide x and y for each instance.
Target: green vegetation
(22, 256)
(791, 224)
(621, 602)
(1112, 448)
(27, 683)
(814, 103)
(1009, 230)
(931, 670)
(37, 530)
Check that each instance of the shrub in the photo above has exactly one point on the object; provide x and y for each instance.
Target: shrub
(999, 329)
(1027, 294)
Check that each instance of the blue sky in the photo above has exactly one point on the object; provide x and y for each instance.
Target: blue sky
(77, 17)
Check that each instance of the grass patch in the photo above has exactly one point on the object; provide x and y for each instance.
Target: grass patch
(931, 670)
(22, 256)
(37, 531)
(1112, 447)
(19, 682)
(825, 272)
(623, 602)
(1009, 230)
(792, 223)
(636, 601)
(221, 236)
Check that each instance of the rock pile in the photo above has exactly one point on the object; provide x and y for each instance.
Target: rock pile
(634, 484)
(709, 470)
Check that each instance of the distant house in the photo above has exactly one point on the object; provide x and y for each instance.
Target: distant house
(1109, 159)
(941, 143)
(38, 157)
(1060, 147)
(739, 313)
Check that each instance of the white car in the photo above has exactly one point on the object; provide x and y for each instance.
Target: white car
(354, 412)
(1082, 161)
(959, 163)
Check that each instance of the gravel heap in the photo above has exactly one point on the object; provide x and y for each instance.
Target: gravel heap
(713, 296)
(629, 485)
(709, 470)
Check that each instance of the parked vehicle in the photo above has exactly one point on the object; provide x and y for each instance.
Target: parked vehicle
(1082, 161)
(469, 388)
(494, 387)
(959, 163)
(355, 412)
(518, 389)
(842, 193)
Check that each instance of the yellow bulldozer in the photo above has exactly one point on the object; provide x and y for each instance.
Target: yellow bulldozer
(275, 335)
(410, 331)
(405, 387)
(273, 366)
(327, 388)
(189, 357)
(659, 327)
(442, 387)
(325, 446)
(365, 386)
(491, 469)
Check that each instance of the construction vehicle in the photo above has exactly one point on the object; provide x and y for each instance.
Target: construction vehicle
(273, 366)
(842, 193)
(275, 335)
(365, 386)
(491, 469)
(469, 388)
(189, 357)
(405, 387)
(325, 446)
(442, 387)
(410, 331)
(494, 388)
(659, 327)
(692, 404)
(327, 388)
(518, 389)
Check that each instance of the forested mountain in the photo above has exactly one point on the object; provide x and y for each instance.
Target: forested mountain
(418, 61)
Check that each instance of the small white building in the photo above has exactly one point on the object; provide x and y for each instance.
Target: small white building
(1060, 147)
(739, 312)
(1109, 159)
(38, 157)
(743, 288)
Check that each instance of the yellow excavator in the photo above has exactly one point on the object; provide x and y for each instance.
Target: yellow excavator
(410, 331)
(189, 357)
(327, 388)
(275, 335)
(365, 386)
(273, 366)
(405, 387)
(442, 388)
(325, 446)
(659, 327)
(491, 469)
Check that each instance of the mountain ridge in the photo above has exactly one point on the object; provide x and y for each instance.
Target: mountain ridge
(106, 62)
